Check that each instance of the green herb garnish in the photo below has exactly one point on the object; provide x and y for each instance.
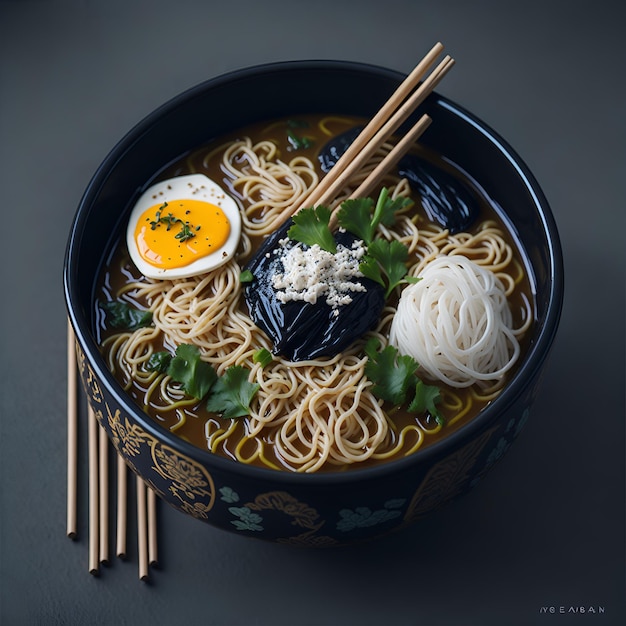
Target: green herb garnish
(299, 143)
(361, 218)
(232, 393)
(396, 381)
(392, 374)
(196, 376)
(263, 357)
(185, 232)
(310, 226)
(229, 395)
(246, 276)
(385, 263)
(159, 362)
(123, 315)
(425, 399)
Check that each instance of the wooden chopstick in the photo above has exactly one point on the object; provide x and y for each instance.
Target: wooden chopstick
(388, 119)
(103, 493)
(92, 425)
(122, 507)
(392, 158)
(372, 127)
(153, 552)
(72, 434)
(331, 190)
(142, 529)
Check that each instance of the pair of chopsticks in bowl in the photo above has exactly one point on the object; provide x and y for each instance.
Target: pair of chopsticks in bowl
(403, 102)
(98, 448)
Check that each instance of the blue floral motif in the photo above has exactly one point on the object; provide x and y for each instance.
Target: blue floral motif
(522, 421)
(512, 429)
(247, 519)
(363, 516)
(228, 495)
(498, 451)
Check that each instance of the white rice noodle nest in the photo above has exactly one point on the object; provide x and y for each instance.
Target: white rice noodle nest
(456, 323)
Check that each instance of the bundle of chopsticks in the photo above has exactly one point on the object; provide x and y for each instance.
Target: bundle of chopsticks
(403, 102)
(98, 449)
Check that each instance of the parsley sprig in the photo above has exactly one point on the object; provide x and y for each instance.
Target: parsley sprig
(196, 376)
(229, 395)
(385, 263)
(395, 380)
(232, 393)
(361, 217)
(310, 226)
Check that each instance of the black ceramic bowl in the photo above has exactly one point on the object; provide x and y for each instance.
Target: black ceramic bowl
(326, 508)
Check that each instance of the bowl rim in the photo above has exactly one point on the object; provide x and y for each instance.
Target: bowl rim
(533, 361)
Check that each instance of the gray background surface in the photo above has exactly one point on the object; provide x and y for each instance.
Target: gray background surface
(545, 529)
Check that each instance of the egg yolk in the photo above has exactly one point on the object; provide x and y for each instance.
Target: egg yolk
(175, 234)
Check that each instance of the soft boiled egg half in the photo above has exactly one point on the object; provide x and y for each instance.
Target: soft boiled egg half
(183, 227)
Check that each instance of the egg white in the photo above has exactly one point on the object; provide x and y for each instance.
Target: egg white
(190, 187)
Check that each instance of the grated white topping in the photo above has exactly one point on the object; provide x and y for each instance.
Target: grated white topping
(312, 273)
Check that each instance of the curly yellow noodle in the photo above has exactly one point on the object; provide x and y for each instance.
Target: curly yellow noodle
(222, 434)
(455, 406)
(258, 453)
(401, 446)
(182, 419)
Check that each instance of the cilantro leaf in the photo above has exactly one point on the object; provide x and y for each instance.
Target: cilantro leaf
(386, 208)
(392, 374)
(123, 315)
(360, 217)
(232, 393)
(370, 269)
(310, 226)
(197, 376)
(355, 216)
(395, 380)
(391, 257)
(159, 362)
(425, 399)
